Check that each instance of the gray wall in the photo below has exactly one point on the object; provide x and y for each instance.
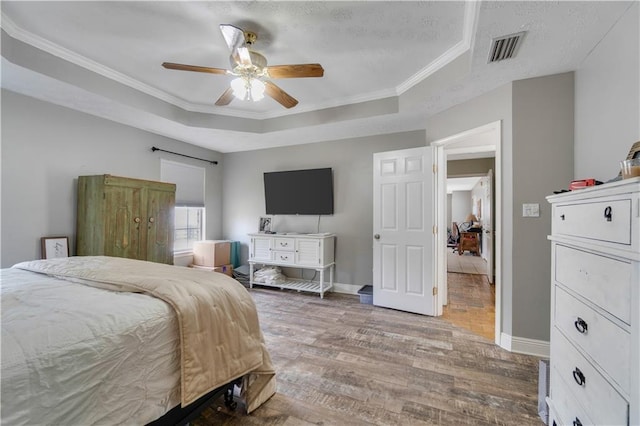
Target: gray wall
(474, 167)
(607, 120)
(352, 164)
(46, 147)
(542, 163)
(460, 206)
(537, 142)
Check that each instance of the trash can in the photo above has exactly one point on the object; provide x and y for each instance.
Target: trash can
(543, 390)
(366, 294)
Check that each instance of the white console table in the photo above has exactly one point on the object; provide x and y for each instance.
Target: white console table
(307, 251)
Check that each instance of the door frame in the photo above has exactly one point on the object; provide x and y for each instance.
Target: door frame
(490, 136)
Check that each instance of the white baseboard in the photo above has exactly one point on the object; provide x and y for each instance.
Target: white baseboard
(183, 259)
(522, 345)
(346, 288)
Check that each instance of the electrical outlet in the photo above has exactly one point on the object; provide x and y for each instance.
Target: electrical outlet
(531, 210)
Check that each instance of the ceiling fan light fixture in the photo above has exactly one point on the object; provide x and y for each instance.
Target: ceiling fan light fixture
(248, 89)
(257, 90)
(239, 88)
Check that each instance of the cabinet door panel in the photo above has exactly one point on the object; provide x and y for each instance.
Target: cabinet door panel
(261, 248)
(122, 222)
(308, 252)
(159, 225)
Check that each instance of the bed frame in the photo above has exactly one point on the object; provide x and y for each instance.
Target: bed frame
(180, 416)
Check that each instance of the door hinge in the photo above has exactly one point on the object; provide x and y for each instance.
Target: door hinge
(435, 291)
(435, 168)
(435, 229)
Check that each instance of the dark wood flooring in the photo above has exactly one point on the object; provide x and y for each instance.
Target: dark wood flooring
(340, 362)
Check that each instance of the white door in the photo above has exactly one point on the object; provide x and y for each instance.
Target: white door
(402, 231)
(487, 226)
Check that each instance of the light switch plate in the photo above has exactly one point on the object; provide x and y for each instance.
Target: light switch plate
(531, 210)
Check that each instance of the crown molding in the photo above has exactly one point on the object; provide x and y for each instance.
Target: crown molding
(15, 31)
(471, 11)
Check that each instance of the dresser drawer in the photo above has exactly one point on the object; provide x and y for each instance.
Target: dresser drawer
(604, 341)
(566, 408)
(602, 280)
(599, 400)
(554, 419)
(284, 257)
(283, 244)
(604, 220)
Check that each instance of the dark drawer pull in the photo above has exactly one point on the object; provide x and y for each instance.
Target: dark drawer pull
(577, 422)
(581, 325)
(607, 213)
(562, 216)
(578, 376)
(554, 423)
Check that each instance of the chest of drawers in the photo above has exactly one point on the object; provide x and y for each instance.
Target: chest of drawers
(595, 311)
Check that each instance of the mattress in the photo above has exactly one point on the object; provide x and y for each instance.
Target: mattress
(78, 355)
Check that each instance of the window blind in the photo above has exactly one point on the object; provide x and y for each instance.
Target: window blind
(189, 182)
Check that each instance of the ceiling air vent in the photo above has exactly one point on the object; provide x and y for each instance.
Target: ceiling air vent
(505, 47)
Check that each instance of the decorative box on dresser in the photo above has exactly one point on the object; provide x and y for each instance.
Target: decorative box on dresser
(595, 306)
(305, 251)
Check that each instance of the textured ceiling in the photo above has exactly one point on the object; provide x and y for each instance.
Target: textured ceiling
(379, 59)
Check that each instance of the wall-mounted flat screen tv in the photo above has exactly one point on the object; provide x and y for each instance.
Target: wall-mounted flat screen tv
(299, 192)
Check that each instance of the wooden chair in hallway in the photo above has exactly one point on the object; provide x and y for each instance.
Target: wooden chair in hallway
(455, 237)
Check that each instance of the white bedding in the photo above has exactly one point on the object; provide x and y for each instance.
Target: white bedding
(101, 357)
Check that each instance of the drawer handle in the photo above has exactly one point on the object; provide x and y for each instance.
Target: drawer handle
(577, 422)
(607, 213)
(562, 216)
(284, 244)
(581, 325)
(284, 257)
(578, 376)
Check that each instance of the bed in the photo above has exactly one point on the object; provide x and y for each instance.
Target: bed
(101, 340)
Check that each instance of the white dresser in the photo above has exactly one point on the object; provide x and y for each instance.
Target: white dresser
(306, 251)
(595, 306)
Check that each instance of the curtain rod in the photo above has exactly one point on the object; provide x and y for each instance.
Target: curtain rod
(154, 149)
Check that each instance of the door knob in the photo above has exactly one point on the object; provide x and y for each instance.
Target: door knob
(376, 236)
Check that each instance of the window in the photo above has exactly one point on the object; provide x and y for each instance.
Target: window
(190, 216)
(189, 227)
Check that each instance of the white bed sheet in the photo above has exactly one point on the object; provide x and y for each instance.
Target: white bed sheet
(100, 357)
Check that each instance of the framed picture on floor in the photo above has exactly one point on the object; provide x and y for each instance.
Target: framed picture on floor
(54, 247)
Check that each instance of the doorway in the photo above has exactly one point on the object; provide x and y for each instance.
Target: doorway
(481, 142)
(470, 293)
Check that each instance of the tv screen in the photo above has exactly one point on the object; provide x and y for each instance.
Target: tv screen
(299, 192)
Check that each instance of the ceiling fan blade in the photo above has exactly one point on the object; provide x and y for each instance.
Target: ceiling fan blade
(234, 37)
(279, 95)
(196, 68)
(226, 97)
(295, 71)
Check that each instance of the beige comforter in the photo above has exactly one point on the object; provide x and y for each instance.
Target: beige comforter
(220, 336)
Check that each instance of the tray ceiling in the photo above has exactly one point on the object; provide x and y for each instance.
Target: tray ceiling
(105, 58)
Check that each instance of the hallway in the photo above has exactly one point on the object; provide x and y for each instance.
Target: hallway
(471, 298)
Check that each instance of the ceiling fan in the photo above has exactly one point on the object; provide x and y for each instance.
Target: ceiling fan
(250, 68)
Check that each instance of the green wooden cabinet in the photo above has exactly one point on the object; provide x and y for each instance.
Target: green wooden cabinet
(125, 217)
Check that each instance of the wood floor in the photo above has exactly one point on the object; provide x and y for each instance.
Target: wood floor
(340, 362)
(471, 299)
